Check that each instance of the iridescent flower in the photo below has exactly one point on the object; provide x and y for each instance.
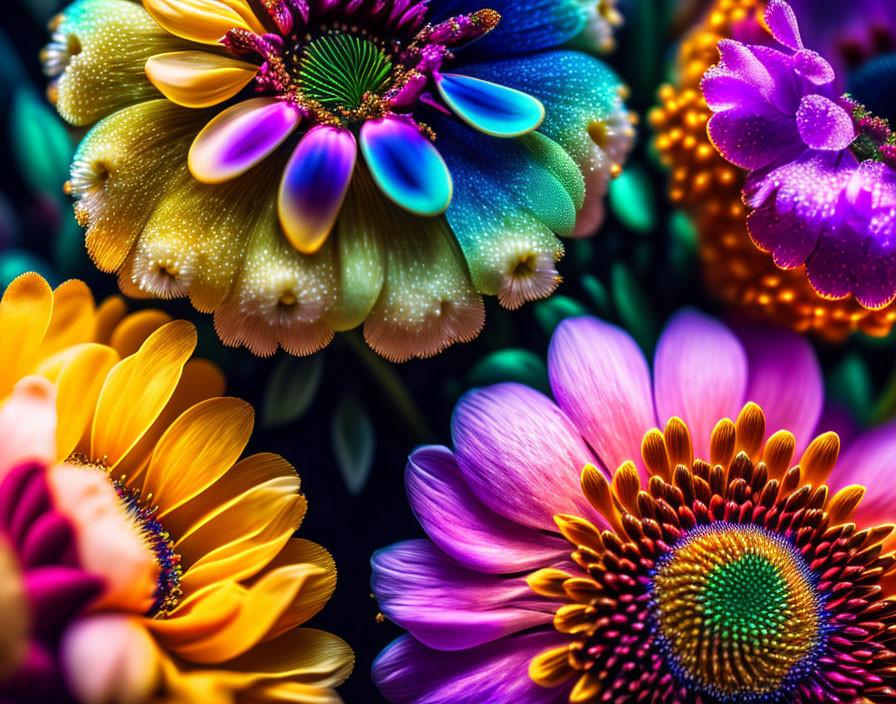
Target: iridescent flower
(203, 581)
(387, 171)
(630, 541)
(821, 176)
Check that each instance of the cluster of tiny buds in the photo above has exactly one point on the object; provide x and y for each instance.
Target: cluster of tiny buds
(875, 138)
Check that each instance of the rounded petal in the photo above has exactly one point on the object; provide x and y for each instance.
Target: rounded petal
(25, 312)
(463, 527)
(28, 424)
(239, 137)
(314, 184)
(600, 378)
(520, 454)
(406, 166)
(823, 124)
(490, 107)
(205, 21)
(198, 79)
(447, 607)
(700, 375)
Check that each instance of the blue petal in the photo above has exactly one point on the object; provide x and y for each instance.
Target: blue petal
(406, 166)
(575, 89)
(489, 107)
(525, 26)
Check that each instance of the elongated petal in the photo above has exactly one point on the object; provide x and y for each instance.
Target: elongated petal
(25, 311)
(700, 375)
(489, 107)
(464, 527)
(600, 378)
(205, 21)
(406, 166)
(28, 424)
(198, 79)
(314, 185)
(241, 136)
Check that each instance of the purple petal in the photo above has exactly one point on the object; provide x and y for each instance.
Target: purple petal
(823, 124)
(56, 594)
(789, 239)
(700, 375)
(832, 268)
(408, 672)
(836, 419)
(314, 185)
(32, 502)
(12, 486)
(239, 137)
(600, 378)
(49, 540)
(463, 527)
(753, 139)
(782, 24)
(520, 454)
(812, 66)
(869, 461)
(448, 607)
(785, 380)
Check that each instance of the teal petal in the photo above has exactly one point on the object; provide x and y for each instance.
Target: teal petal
(489, 107)
(406, 166)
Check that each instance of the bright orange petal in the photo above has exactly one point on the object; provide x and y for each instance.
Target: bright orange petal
(198, 79)
(137, 390)
(25, 311)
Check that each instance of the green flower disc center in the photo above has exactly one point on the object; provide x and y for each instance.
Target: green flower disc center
(339, 70)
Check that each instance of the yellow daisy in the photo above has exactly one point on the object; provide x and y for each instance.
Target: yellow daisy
(205, 583)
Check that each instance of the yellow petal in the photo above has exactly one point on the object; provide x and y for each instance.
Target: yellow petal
(25, 311)
(205, 21)
(196, 451)
(72, 320)
(198, 79)
(138, 388)
(315, 593)
(132, 332)
(257, 611)
(285, 691)
(78, 387)
(110, 313)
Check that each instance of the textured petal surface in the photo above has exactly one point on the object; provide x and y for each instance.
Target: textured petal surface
(463, 527)
(314, 185)
(700, 375)
(529, 470)
(198, 79)
(406, 166)
(600, 378)
(490, 107)
(240, 137)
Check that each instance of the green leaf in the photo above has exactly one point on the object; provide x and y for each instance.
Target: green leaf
(632, 200)
(597, 294)
(885, 407)
(353, 442)
(520, 365)
(292, 386)
(682, 245)
(633, 306)
(553, 311)
(850, 384)
(40, 143)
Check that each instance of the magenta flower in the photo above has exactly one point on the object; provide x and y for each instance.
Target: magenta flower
(550, 575)
(821, 168)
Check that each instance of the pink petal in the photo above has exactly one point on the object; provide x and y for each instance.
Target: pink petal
(448, 607)
(520, 454)
(600, 378)
(785, 380)
(463, 527)
(700, 375)
(28, 424)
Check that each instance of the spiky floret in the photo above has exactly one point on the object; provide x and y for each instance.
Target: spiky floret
(661, 608)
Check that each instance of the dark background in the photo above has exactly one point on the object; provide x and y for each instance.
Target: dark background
(634, 272)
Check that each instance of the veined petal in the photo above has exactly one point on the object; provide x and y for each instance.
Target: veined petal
(240, 137)
(205, 21)
(314, 185)
(406, 166)
(198, 79)
(489, 107)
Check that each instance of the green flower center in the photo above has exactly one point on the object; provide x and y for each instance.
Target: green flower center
(342, 71)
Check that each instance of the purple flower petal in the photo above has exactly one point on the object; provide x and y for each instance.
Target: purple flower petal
(869, 461)
(448, 607)
(782, 23)
(48, 541)
(463, 527)
(700, 375)
(56, 593)
(600, 378)
(240, 137)
(751, 139)
(314, 185)
(408, 672)
(780, 359)
(823, 124)
(32, 502)
(812, 66)
(789, 239)
(521, 455)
